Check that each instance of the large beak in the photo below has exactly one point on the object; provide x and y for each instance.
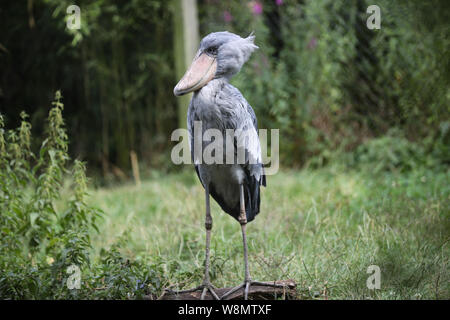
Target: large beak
(201, 71)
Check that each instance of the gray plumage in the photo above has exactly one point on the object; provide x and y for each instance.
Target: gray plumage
(219, 105)
(223, 135)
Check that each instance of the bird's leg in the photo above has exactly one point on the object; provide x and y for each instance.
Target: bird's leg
(208, 226)
(243, 222)
(247, 278)
(206, 285)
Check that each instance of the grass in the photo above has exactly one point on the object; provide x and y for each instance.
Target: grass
(323, 228)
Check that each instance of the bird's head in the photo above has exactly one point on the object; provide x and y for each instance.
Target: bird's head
(221, 54)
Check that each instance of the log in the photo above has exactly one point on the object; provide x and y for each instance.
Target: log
(256, 292)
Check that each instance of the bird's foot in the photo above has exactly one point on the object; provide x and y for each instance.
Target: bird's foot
(209, 287)
(246, 286)
(204, 287)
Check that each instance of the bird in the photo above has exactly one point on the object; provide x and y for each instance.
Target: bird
(218, 105)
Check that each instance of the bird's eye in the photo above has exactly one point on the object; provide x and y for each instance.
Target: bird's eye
(212, 51)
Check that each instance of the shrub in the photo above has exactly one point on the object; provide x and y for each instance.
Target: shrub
(43, 234)
(393, 152)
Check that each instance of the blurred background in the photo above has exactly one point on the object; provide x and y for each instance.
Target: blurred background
(321, 76)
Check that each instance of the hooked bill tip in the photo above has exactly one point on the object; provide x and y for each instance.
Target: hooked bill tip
(201, 71)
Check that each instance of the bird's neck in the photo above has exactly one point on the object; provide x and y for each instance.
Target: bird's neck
(211, 88)
(217, 84)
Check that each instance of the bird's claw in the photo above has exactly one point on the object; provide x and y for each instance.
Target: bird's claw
(246, 286)
(205, 287)
(208, 287)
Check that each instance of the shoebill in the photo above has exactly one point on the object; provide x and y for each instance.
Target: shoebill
(216, 104)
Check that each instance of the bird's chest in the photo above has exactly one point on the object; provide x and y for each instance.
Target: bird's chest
(214, 110)
(208, 114)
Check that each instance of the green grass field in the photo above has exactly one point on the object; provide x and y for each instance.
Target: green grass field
(323, 228)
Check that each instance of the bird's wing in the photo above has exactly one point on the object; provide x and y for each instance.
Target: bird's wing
(250, 140)
(253, 166)
(237, 114)
(255, 125)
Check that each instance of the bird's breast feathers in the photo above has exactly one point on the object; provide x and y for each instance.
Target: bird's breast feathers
(221, 106)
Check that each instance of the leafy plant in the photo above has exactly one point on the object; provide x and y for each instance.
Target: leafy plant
(44, 232)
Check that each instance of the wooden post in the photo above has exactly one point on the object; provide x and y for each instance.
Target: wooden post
(186, 41)
(135, 168)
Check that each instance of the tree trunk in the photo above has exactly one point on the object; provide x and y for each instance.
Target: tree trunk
(186, 38)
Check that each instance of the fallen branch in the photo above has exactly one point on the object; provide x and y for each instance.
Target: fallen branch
(256, 292)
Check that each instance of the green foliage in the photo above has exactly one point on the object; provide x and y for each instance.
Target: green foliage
(393, 152)
(116, 73)
(43, 233)
(329, 83)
